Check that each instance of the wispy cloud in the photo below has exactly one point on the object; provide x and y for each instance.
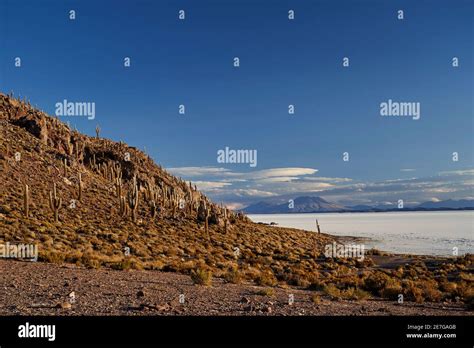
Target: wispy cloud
(242, 188)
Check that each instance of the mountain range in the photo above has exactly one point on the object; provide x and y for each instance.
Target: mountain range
(313, 204)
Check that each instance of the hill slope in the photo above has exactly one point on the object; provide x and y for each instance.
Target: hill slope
(166, 230)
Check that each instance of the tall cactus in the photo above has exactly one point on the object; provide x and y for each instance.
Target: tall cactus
(207, 224)
(65, 167)
(153, 208)
(133, 198)
(55, 203)
(123, 206)
(118, 187)
(79, 187)
(225, 220)
(26, 200)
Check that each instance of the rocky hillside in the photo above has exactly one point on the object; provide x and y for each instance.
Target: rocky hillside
(97, 202)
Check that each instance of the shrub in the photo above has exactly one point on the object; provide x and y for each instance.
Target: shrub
(332, 291)
(266, 279)
(266, 292)
(392, 289)
(233, 276)
(412, 292)
(355, 294)
(90, 261)
(51, 256)
(376, 282)
(347, 294)
(201, 277)
(127, 264)
(430, 291)
(316, 285)
(316, 299)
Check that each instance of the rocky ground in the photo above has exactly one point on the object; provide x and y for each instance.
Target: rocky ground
(29, 288)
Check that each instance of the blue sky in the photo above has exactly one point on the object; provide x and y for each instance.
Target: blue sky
(282, 62)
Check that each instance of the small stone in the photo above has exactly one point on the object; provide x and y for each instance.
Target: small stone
(140, 293)
(245, 300)
(64, 305)
(249, 308)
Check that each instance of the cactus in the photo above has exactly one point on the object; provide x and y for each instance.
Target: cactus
(65, 167)
(207, 224)
(79, 187)
(173, 201)
(133, 198)
(26, 200)
(154, 209)
(115, 172)
(118, 187)
(123, 206)
(225, 220)
(55, 203)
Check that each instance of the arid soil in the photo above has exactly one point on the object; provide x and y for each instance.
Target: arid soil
(28, 288)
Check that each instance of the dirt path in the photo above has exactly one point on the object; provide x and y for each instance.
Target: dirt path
(29, 288)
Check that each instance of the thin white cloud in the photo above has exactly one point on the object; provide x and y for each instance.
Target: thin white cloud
(458, 172)
(243, 188)
(211, 185)
(197, 171)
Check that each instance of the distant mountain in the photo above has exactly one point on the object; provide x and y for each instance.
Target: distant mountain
(448, 204)
(306, 204)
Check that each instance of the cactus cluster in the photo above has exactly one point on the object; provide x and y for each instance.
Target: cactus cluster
(165, 196)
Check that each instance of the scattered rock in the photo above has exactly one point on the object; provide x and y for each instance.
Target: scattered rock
(244, 300)
(64, 305)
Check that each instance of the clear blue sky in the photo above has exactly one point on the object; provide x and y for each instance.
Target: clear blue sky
(282, 62)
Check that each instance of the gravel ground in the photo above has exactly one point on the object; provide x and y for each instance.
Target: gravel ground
(29, 288)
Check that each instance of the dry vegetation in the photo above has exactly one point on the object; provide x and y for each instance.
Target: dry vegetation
(84, 200)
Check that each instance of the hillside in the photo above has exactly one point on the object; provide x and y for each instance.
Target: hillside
(166, 230)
